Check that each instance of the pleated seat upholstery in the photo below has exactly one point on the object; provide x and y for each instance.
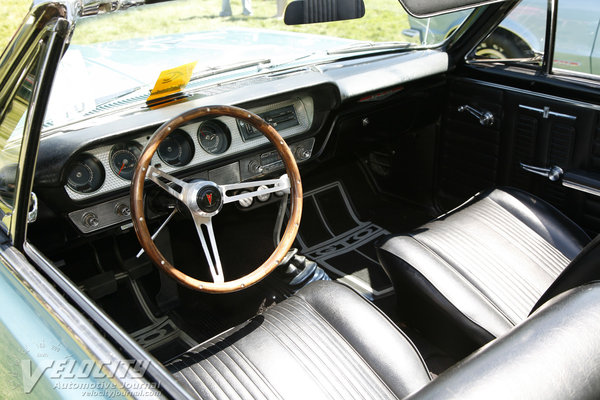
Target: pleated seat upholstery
(486, 264)
(324, 342)
(327, 342)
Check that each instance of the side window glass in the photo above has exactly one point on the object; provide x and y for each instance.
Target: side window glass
(12, 127)
(577, 44)
(520, 37)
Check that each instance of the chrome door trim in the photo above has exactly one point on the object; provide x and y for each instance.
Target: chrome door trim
(580, 187)
(575, 103)
(155, 368)
(71, 319)
(546, 112)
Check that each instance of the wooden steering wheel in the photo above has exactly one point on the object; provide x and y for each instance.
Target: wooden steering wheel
(204, 199)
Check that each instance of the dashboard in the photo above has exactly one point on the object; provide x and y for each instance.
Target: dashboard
(110, 167)
(84, 170)
(107, 168)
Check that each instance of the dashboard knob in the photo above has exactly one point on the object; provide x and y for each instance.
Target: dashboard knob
(263, 197)
(90, 220)
(302, 154)
(123, 210)
(255, 167)
(245, 202)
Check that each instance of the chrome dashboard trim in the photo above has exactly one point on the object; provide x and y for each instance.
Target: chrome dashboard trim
(111, 213)
(304, 107)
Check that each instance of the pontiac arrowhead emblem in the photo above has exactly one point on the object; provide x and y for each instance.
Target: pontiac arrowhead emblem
(209, 199)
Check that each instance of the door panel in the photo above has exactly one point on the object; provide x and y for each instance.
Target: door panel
(529, 128)
(469, 152)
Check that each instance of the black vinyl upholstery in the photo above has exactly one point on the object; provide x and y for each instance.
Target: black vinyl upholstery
(327, 342)
(553, 355)
(486, 264)
(324, 342)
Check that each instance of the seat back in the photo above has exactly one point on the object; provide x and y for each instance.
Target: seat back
(584, 268)
(554, 354)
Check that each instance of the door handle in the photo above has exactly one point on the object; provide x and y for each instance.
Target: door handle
(485, 118)
(554, 173)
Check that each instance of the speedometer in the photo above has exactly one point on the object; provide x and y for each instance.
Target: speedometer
(123, 157)
(214, 137)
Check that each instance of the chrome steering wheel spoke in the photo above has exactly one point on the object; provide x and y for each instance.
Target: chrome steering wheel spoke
(213, 259)
(255, 188)
(171, 184)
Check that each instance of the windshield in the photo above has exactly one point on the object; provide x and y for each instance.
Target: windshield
(115, 59)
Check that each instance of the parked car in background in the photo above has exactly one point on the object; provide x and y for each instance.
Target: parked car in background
(522, 34)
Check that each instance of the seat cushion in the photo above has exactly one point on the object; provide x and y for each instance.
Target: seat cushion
(486, 263)
(324, 342)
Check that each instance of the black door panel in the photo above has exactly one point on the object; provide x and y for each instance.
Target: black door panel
(529, 128)
(469, 151)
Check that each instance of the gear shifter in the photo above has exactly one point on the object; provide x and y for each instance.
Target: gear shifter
(298, 271)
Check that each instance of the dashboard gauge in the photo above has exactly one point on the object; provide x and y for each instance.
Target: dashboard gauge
(86, 174)
(123, 157)
(177, 149)
(214, 137)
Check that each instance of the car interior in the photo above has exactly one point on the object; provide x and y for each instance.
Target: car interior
(447, 242)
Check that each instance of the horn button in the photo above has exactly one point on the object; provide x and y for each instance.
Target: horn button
(209, 199)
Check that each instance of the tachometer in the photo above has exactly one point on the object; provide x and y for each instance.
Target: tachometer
(123, 157)
(86, 174)
(177, 149)
(214, 137)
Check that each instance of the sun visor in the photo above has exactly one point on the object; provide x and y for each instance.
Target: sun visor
(430, 8)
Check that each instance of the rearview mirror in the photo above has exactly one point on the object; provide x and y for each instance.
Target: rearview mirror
(312, 11)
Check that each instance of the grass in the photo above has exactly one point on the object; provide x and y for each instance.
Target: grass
(13, 12)
(383, 20)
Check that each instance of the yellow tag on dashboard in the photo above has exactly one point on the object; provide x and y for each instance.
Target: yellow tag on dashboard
(171, 81)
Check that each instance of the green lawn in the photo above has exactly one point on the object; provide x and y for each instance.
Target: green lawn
(384, 20)
(13, 12)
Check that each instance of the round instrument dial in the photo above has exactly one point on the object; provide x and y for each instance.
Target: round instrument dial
(123, 157)
(177, 149)
(214, 137)
(86, 174)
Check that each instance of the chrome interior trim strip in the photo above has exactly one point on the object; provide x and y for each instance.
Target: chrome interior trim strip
(546, 112)
(580, 187)
(572, 102)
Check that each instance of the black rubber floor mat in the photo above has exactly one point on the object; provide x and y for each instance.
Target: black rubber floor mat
(161, 337)
(332, 235)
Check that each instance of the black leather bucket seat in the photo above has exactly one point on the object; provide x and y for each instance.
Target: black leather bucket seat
(485, 266)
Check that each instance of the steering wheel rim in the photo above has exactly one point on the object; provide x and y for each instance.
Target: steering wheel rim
(143, 169)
